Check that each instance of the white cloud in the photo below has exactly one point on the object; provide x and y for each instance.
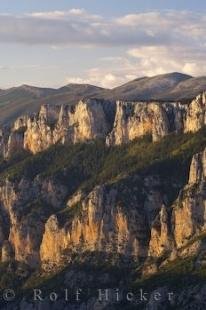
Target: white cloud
(65, 15)
(162, 59)
(78, 27)
(143, 61)
(103, 77)
(153, 42)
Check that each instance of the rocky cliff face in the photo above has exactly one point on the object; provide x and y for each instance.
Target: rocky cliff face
(99, 224)
(177, 231)
(24, 206)
(43, 223)
(104, 220)
(86, 121)
(195, 114)
(135, 120)
(101, 221)
(116, 123)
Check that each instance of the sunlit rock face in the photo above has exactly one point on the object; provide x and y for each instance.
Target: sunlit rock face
(109, 219)
(88, 120)
(135, 120)
(38, 135)
(98, 224)
(39, 130)
(196, 114)
(160, 241)
(175, 228)
(22, 220)
(189, 215)
(39, 226)
(115, 122)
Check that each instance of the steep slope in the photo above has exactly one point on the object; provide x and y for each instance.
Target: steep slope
(115, 123)
(99, 211)
(21, 100)
(148, 88)
(27, 99)
(188, 88)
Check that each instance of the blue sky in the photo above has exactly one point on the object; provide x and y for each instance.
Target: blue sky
(110, 7)
(52, 43)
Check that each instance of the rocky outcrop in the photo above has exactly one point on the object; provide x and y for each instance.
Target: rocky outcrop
(91, 119)
(96, 224)
(196, 114)
(161, 238)
(38, 135)
(198, 168)
(100, 220)
(178, 230)
(104, 220)
(24, 206)
(88, 120)
(135, 120)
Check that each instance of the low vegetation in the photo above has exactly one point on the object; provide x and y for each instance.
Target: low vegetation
(88, 164)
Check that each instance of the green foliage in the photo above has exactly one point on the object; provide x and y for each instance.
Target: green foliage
(176, 274)
(88, 164)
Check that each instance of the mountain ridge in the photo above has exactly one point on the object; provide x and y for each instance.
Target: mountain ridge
(27, 99)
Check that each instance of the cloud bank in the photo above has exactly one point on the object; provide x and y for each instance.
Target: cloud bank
(78, 27)
(154, 42)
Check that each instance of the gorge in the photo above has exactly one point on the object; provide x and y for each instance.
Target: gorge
(105, 193)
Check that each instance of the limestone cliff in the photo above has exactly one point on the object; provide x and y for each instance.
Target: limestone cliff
(24, 206)
(103, 220)
(99, 223)
(86, 121)
(89, 119)
(38, 227)
(134, 120)
(99, 220)
(196, 114)
(177, 230)
(190, 209)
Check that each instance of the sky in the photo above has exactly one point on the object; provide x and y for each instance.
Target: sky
(51, 43)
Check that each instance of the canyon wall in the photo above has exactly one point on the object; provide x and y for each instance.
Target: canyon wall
(103, 220)
(115, 122)
(178, 231)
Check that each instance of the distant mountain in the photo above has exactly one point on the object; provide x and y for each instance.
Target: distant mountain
(27, 99)
(80, 89)
(186, 89)
(147, 88)
(22, 99)
(72, 93)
